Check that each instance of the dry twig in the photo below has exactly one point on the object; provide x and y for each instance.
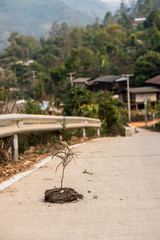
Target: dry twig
(66, 155)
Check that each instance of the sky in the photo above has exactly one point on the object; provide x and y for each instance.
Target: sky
(118, 1)
(111, 0)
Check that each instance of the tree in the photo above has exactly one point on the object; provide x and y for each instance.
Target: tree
(76, 36)
(80, 60)
(39, 91)
(145, 7)
(32, 107)
(58, 74)
(133, 39)
(116, 35)
(122, 16)
(101, 39)
(111, 112)
(55, 29)
(22, 47)
(146, 66)
(49, 60)
(154, 39)
(108, 19)
(8, 78)
(77, 97)
(150, 19)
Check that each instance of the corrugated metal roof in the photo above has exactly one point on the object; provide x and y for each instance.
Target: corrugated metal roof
(154, 80)
(139, 19)
(81, 80)
(144, 90)
(109, 79)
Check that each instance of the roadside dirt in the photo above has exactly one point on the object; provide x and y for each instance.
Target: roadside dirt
(142, 124)
(8, 167)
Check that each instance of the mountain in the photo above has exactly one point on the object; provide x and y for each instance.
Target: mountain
(34, 17)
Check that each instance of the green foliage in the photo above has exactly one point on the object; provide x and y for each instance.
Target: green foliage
(133, 40)
(49, 60)
(36, 139)
(111, 111)
(39, 92)
(158, 109)
(8, 78)
(116, 35)
(77, 97)
(80, 60)
(3, 94)
(89, 110)
(58, 74)
(150, 19)
(22, 46)
(32, 107)
(146, 66)
(144, 7)
(108, 19)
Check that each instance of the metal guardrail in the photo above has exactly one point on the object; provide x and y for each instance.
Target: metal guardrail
(13, 124)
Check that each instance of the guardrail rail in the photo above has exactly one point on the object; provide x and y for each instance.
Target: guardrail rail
(14, 124)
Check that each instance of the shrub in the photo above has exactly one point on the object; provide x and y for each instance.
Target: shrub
(111, 111)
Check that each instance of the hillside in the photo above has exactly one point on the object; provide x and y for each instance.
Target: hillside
(34, 17)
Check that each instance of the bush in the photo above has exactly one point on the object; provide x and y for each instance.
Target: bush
(32, 107)
(111, 112)
(78, 96)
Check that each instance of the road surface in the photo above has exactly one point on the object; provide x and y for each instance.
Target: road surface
(120, 180)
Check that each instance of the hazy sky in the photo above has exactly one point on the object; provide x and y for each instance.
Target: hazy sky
(118, 1)
(111, 0)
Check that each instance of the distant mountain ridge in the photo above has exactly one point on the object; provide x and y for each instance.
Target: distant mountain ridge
(34, 17)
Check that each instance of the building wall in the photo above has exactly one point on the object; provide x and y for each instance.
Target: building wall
(140, 97)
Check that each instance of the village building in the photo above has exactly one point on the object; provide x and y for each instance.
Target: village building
(155, 81)
(82, 82)
(138, 21)
(112, 83)
(140, 94)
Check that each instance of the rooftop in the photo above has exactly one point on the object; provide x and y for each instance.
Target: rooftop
(154, 80)
(81, 80)
(139, 19)
(109, 79)
(144, 90)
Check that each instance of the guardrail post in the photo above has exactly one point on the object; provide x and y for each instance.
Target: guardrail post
(98, 132)
(15, 147)
(83, 132)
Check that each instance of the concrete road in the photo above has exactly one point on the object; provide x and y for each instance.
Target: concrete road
(121, 189)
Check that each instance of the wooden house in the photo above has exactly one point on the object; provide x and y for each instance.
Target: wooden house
(155, 81)
(140, 94)
(81, 82)
(111, 83)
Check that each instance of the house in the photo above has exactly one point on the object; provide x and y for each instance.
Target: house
(138, 21)
(140, 94)
(81, 82)
(155, 81)
(112, 83)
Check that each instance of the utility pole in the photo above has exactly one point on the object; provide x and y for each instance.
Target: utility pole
(34, 76)
(128, 95)
(145, 107)
(27, 51)
(71, 77)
